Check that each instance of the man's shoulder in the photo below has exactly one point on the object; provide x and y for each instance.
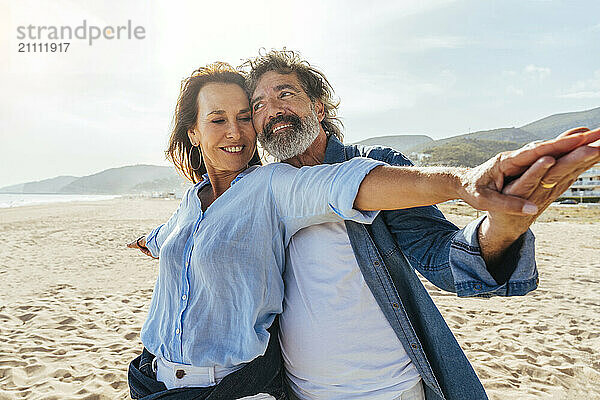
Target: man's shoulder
(377, 152)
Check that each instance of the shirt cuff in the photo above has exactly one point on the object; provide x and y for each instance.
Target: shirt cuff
(151, 242)
(471, 276)
(344, 189)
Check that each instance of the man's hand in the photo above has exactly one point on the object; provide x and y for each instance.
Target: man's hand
(544, 181)
(482, 186)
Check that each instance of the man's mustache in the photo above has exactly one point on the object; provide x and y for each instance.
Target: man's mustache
(291, 119)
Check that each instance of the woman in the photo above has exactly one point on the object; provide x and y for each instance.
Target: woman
(211, 322)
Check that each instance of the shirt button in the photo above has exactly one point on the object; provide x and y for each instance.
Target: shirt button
(177, 331)
(395, 305)
(477, 286)
(183, 297)
(414, 345)
(376, 263)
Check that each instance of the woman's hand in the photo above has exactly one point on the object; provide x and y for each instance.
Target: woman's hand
(140, 243)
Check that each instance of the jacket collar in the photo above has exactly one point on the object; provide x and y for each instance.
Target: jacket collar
(335, 151)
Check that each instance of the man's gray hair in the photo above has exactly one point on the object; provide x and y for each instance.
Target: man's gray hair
(313, 81)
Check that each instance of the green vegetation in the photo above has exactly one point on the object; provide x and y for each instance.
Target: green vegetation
(466, 152)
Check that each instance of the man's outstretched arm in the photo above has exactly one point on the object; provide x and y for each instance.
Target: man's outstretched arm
(388, 187)
(542, 183)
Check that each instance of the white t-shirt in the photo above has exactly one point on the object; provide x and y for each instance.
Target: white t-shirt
(335, 340)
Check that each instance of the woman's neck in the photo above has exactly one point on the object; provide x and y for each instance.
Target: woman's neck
(220, 181)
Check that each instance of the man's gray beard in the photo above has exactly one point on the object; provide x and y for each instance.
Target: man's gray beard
(294, 142)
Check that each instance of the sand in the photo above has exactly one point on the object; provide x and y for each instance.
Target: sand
(73, 299)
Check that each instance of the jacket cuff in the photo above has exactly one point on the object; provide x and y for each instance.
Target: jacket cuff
(471, 276)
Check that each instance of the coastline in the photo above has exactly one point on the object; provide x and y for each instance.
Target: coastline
(11, 200)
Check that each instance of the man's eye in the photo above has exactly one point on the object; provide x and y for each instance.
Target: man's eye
(218, 121)
(285, 94)
(257, 106)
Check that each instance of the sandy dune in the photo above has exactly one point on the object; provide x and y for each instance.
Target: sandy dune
(73, 299)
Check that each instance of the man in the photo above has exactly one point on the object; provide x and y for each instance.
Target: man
(357, 322)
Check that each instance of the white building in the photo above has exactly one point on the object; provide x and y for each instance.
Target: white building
(587, 185)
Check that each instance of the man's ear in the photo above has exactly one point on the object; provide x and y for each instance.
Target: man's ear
(320, 110)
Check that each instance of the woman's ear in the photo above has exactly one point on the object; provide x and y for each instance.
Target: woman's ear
(192, 136)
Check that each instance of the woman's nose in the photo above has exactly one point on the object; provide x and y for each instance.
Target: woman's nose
(234, 131)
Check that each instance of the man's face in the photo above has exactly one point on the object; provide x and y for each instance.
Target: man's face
(285, 119)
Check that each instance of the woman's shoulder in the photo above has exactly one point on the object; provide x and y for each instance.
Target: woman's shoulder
(275, 166)
(268, 172)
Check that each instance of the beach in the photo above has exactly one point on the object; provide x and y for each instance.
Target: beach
(73, 299)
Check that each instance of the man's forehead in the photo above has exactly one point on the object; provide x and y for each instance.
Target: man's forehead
(271, 80)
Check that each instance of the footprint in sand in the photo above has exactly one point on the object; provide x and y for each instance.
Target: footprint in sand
(26, 317)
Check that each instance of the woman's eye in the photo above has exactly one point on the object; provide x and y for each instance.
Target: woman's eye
(257, 106)
(285, 94)
(218, 121)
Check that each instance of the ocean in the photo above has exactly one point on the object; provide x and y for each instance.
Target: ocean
(26, 199)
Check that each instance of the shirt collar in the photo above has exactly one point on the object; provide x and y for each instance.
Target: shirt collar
(206, 180)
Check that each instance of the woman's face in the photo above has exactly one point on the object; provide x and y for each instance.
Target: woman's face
(224, 128)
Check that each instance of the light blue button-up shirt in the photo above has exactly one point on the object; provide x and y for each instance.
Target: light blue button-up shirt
(220, 283)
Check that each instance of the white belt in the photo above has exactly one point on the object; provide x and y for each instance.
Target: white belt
(175, 375)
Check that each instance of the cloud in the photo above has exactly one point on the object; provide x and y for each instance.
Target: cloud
(515, 91)
(433, 42)
(581, 95)
(537, 72)
(584, 89)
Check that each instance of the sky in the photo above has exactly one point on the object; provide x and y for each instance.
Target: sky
(439, 68)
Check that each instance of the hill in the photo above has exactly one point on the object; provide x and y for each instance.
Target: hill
(51, 185)
(130, 179)
(402, 143)
(472, 148)
(552, 126)
(467, 152)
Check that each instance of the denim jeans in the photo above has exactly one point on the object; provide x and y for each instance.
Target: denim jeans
(264, 374)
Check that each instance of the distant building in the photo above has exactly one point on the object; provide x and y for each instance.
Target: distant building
(419, 158)
(587, 185)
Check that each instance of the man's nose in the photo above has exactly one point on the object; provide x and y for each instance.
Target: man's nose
(275, 109)
(275, 114)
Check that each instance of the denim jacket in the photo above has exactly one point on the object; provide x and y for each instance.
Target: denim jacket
(400, 241)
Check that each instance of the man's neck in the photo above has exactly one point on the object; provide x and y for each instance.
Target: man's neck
(314, 155)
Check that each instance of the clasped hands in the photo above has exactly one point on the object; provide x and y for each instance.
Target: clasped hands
(517, 186)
